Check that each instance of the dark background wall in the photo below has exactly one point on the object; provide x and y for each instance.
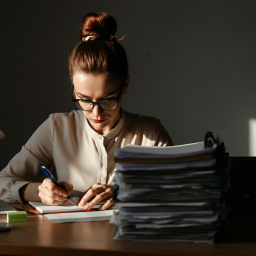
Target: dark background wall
(192, 65)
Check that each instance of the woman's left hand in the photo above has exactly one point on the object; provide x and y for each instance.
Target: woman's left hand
(95, 194)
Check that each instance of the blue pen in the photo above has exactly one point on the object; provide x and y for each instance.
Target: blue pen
(53, 180)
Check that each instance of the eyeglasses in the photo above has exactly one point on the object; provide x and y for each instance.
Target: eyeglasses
(107, 104)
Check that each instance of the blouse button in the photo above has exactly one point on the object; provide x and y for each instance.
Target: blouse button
(100, 137)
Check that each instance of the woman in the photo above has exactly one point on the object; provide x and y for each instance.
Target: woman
(80, 145)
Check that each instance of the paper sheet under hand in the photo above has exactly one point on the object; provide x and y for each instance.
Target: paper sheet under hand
(80, 216)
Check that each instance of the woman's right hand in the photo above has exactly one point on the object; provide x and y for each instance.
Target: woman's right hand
(51, 194)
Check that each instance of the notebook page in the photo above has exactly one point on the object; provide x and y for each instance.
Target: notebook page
(66, 207)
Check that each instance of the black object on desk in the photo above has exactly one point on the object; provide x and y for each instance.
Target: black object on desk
(5, 227)
(241, 198)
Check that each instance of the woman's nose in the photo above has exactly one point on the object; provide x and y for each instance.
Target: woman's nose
(96, 110)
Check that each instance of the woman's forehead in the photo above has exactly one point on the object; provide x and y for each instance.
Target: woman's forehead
(94, 85)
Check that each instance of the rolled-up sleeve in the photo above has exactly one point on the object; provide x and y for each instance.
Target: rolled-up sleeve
(23, 167)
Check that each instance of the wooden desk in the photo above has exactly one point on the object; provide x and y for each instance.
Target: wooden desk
(38, 236)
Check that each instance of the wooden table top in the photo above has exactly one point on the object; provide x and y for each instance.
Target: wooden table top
(38, 236)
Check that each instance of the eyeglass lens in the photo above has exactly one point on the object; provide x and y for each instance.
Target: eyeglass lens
(104, 104)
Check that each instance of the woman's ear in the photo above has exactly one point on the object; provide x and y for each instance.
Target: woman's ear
(126, 84)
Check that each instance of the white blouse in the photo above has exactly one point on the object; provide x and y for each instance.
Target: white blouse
(78, 154)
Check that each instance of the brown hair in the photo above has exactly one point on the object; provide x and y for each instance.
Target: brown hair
(99, 51)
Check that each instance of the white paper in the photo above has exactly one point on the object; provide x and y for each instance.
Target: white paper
(136, 151)
(165, 166)
(66, 207)
(80, 216)
(201, 240)
(119, 205)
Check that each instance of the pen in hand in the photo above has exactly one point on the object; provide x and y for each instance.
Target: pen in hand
(51, 177)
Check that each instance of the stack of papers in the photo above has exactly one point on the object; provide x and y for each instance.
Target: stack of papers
(170, 194)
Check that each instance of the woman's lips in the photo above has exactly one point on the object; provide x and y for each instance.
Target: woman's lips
(98, 121)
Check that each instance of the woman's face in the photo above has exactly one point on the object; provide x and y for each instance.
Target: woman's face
(95, 88)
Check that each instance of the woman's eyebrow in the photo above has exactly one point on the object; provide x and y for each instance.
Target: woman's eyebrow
(106, 95)
(80, 94)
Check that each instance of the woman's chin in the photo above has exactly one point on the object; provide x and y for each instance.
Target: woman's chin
(100, 127)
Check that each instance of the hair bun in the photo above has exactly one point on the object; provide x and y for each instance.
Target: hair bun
(99, 26)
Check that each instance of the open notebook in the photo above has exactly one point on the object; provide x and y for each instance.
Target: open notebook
(67, 207)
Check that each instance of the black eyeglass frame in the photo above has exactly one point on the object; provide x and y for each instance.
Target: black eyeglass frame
(97, 102)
